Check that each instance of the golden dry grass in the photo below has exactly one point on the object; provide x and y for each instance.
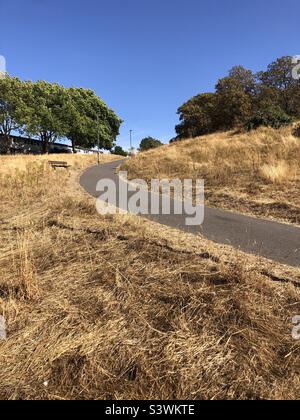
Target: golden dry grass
(116, 307)
(256, 172)
(279, 172)
(20, 163)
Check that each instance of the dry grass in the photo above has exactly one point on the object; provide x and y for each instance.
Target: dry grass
(14, 164)
(279, 173)
(115, 307)
(256, 173)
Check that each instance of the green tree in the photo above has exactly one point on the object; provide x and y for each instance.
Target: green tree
(233, 104)
(266, 96)
(197, 116)
(48, 113)
(15, 110)
(77, 122)
(101, 123)
(149, 143)
(271, 97)
(293, 100)
(278, 77)
(278, 74)
(246, 78)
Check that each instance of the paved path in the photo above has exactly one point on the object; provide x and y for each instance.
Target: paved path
(276, 241)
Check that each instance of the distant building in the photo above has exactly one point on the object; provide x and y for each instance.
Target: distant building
(29, 146)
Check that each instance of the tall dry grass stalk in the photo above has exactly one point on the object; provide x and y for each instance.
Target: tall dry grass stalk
(25, 269)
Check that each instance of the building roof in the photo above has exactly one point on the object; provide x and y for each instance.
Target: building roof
(38, 142)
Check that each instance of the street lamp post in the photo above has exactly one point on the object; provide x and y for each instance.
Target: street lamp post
(98, 138)
(131, 147)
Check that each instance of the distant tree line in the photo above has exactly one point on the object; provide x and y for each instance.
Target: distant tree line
(148, 143)
(119, 151)
(244, 100)
(48, 111)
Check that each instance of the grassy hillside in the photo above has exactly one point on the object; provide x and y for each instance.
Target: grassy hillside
(256, 172)
(117, 307)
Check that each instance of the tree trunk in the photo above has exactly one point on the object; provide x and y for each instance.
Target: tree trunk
(5, 144)
(45, 147)
(45, 143)
(73, 146)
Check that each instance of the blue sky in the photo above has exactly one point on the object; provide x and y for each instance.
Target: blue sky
(144, 58)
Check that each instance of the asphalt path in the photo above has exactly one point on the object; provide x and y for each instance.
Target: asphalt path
(276, 241)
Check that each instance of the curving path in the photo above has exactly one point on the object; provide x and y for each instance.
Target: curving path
(276, 241)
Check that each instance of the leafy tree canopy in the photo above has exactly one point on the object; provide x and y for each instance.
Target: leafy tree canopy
(271, 97)
(196, 116)
(90, 122)
(15, 106)
(47, 114)
(50, 111)
(233, 104)
(278, 74)
(149, 143)
(246, 78)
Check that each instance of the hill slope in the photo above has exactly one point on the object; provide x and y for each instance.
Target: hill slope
(256, 173)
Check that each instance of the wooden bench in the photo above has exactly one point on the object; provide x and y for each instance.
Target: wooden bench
(57, 164)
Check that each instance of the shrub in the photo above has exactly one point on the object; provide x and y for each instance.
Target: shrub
(272, 116)
(296, 131)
